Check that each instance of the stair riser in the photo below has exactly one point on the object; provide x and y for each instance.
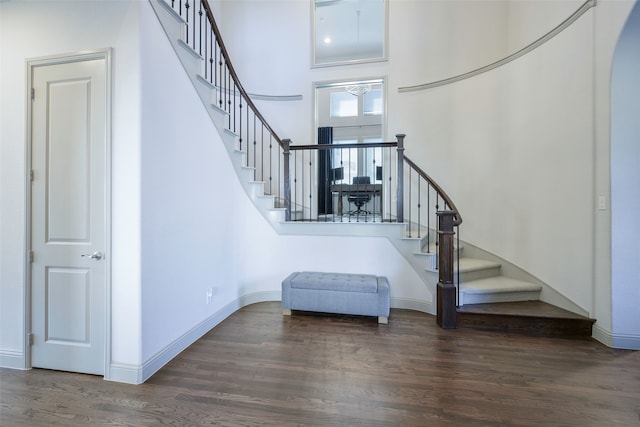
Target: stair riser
(535, 326)
(481, 298)
(191, 61)
(485, 273)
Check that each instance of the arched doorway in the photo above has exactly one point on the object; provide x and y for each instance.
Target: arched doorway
(625, 179)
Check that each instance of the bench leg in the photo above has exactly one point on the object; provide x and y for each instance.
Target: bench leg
(383, 319)
(286, 312)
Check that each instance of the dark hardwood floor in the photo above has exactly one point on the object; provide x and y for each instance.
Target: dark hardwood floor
(259, 368)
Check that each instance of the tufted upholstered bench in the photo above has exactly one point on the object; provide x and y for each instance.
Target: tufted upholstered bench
(360, 294)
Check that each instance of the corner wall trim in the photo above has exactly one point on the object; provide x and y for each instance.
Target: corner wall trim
(619, 341)
(12, 359)
(413, 304)
(137, 374)
(124, 373)
(539, 42)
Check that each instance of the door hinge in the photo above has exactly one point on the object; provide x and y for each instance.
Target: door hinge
(33, 94)
(30, 338)
(30, 256)
(31, 174)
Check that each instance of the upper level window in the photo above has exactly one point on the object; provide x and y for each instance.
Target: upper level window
(372, 101)
(356, 100)
(355, 111)
(343, 104)
(349, 31)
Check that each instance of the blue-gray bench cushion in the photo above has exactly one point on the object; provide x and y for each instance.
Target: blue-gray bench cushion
(334, 281)
(358, 294)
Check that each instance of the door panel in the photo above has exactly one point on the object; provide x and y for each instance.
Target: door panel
(67, 296)
(68, 215)
(68, 167)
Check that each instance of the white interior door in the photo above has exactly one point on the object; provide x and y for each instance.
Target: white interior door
(68, 215)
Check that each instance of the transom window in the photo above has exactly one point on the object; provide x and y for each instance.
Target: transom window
(355, 112)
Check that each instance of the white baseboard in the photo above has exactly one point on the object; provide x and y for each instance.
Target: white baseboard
(257, 297)
(621, 341)
(137, 374)
(12, 359)
(124, 373)
(413, 304)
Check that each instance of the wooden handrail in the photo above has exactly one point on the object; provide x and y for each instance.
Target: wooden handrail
(340, 146)
(235, 87)
(233, 73)
(448, 215)
(441, 192)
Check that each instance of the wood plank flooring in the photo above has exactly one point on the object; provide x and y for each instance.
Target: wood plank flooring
(259, 368)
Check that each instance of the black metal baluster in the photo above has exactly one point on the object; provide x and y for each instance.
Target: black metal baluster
(419, 205)
(228, 97)
(193, 28)
(429, 218)
(206, 48)
(226, 93)
(295, 179)
(254, 143)
(409, 204)
(391, 172)
(458, 266)
(217, 69)
(186, 6)
(374, 186)
(223, 90)
(310, 187)
(211, 54)
(247, 132)
(200, 30)
(225, 84)
(350, 180)
(437, 229)
(262, 142)
(240, 124)
(270, 165)
(235, 114)
(341, 211)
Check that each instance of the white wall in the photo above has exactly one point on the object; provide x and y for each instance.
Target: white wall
(418, 51)
(625, 179)
(199, 228)
(534, 163)
(172, 239)
(522, 150)
(181, 222)
(36, 29)
(518, 139)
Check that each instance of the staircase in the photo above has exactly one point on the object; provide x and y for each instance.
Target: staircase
(484, 279)
(490, 300)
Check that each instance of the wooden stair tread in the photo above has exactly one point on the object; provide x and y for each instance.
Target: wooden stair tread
(534, 318)
(521, 308)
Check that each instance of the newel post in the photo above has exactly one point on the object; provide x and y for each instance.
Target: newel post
(287, 178)
(446, 290)
(400, 192)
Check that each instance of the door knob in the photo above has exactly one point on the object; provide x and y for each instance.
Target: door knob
(95, 255)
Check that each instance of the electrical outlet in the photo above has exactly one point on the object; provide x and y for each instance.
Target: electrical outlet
(602, 203)
(209, 295)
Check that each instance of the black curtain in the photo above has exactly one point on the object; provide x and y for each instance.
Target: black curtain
(325, 136)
